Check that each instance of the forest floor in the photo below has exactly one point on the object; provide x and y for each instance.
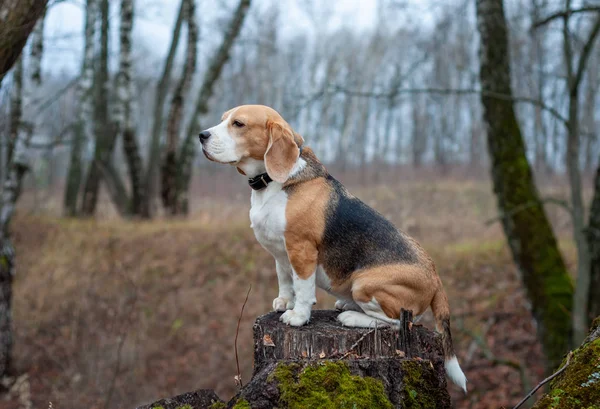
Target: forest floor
(113, 314)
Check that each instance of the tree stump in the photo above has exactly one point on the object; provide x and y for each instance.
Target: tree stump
(578, 383)
(324, 364)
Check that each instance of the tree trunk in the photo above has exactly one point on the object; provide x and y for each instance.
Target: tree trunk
(419, 134)
(116, 188)
(101, 120)
(134, 165)
(10, 194)
(124, 117)
(17, 20)
(574, 78)
(150, 180)
(323, 364)
(16, 108)
(528, 231)
(593, 238)
(169, 166)
(578, 386)
(37, 50)
(85, 114)
(188, 148)
(580, 301)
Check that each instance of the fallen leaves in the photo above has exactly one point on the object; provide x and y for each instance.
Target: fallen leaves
(268, 341)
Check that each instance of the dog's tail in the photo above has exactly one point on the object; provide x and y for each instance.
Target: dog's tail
(441, 312)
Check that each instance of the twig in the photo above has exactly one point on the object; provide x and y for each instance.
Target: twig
(238, 377)
(548, 379)
(43, 105)
(529, 205)
(358, 342)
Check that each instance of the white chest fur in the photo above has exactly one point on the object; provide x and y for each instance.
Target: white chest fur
(267, 218)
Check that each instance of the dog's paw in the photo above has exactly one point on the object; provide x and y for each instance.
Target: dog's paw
(342, 305)
(358, 319)
(282, 304)
(294, 318)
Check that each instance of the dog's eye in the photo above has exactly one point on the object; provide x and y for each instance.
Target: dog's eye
(238, 124)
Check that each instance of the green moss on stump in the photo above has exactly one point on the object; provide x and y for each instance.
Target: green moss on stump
(578, 387)
(218, 405)
(327, 385)
(417, 391)
(242, 404)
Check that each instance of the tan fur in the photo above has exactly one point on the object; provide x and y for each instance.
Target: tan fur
(305, 215)
(395, 286)
(282, 151)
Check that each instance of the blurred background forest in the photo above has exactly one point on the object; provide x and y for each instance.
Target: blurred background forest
(134, 254)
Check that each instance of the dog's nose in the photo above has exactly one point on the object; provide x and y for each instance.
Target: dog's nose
(204, 135)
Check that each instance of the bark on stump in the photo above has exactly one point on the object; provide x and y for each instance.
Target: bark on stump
(324, 364)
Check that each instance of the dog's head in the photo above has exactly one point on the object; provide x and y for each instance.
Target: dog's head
(253, 136)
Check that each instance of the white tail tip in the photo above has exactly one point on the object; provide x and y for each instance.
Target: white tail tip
(455, 374)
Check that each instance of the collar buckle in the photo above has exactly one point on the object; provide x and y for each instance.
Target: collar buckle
(260, 182)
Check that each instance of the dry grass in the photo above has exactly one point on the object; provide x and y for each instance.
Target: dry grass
(112, 314)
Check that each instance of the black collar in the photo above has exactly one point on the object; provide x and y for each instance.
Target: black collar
(261, 181)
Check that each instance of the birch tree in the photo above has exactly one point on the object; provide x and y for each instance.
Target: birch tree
(169, 165)
(124, 116)
(16, 108)
(162, 89)
(104, 141)
(187, 152)
(37, 50)
(84, 127)
(17, 165)
(528, 231)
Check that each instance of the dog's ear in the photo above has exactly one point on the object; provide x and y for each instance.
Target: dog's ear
(226, 114)
(282, 151)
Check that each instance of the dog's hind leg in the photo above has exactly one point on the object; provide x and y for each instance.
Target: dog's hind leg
(360, 320)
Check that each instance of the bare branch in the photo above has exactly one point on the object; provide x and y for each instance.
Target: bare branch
(454, 91)
(585, 53)
(552, 200)
(562, 14)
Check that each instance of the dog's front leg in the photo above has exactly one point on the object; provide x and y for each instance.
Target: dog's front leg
(303, 258)
(285, 299)
(305, 298)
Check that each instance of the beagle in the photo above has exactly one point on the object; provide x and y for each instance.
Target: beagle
(321, 235)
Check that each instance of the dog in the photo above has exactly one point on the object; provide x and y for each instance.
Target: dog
(321, 235)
